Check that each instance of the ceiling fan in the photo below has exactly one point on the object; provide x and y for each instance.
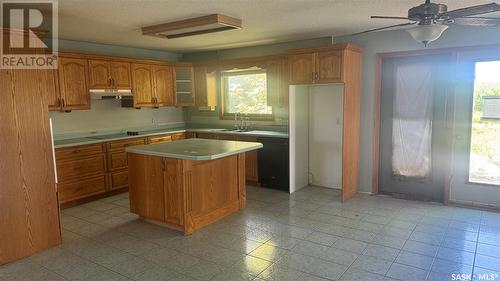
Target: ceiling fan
(430, 20)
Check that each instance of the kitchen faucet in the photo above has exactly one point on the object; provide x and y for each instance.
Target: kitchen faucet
(243, 121)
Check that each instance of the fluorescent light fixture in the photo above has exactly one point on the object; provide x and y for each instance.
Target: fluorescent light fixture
(427, 33)
(194, 26)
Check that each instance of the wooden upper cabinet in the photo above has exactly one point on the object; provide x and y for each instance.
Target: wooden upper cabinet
(120, 74)
(205, 86)
(301, 68)
(142, 85)
(277, 83)
(100, 77)
(329, 66)
(163, 79)
(184, 86)
(49, 88)
(105, 74)
(73, 83)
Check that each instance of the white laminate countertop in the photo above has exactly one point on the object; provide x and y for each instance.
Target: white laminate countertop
(195, 149)
(92, 139)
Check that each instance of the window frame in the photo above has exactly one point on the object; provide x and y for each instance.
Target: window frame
(223, 86)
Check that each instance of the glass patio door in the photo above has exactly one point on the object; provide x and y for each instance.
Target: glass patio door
(413, 127)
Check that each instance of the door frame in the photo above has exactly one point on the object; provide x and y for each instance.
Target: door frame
(456, 53)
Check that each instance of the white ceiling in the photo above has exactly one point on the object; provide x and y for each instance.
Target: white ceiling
(118, 22)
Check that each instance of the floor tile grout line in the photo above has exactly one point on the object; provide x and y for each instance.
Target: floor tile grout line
(477, 243)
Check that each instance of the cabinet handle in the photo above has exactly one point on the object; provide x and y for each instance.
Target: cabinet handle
(63, 103)
(109, 82)
(316, 76)
(58, 102)
(113, 82)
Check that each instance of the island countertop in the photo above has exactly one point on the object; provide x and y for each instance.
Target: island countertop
(195, 149)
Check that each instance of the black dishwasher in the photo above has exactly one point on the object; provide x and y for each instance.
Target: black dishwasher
(273, 161)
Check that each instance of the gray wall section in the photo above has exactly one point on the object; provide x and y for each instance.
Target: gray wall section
(112, 50)
(197, 118)
(372, 43)
(263, 50)
(393, 41)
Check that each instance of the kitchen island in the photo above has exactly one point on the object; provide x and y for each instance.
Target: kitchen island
(188, 184)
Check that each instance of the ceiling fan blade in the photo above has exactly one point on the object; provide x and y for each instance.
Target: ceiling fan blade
(384, 28)
(389, 17)
(472, 11)
(477, 21)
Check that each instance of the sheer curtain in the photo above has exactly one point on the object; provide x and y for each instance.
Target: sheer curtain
(412, 120)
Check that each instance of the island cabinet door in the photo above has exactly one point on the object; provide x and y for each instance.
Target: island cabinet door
(173, 192)
(146, 186)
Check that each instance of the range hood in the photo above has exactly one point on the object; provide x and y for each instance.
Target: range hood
(101, 94)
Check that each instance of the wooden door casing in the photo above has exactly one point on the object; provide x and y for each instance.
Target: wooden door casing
(73, 83)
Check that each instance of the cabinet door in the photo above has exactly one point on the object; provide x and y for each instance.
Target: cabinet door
(120, 73)
(251, 164)
(277, 83)
(142, 85)
(159, 139)
(172, 191)
(73, 83)
(328, 66)
(48, 86)
(205, 87)
(163, 85)
(146, 186)
(184, 87)
(301, 68)
(100, 77)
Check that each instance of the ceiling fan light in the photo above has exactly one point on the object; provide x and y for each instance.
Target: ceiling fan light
(427, 33)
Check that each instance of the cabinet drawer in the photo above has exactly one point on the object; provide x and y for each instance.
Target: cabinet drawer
(159, 139)
(79, 151)
(121, 145)
(226, 137)
(81, 188)
(246, 138)
(75, 168)
(119, 179)
(179, 136)
(117, 160)
(207, 136)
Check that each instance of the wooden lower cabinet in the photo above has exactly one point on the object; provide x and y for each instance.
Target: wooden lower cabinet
(186, 194)
(81, 171)
(251, 163)
(81, 188)
(119, 179)
(158, 139)
(99, 169)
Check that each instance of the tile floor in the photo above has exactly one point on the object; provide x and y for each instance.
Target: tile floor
(308, 235)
